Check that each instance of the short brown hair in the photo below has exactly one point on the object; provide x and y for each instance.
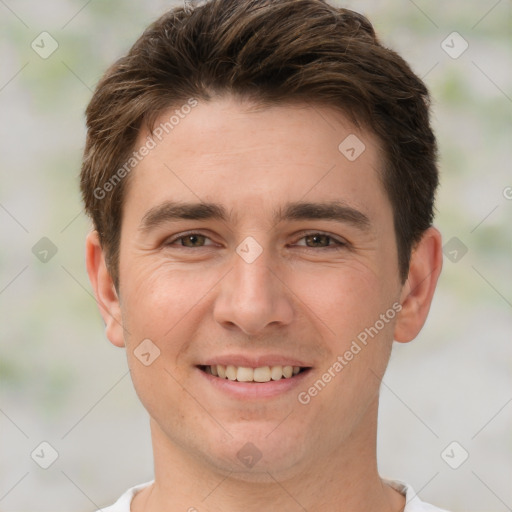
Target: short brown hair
(272, 52)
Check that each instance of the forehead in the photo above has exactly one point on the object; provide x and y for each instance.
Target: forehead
(231, 152)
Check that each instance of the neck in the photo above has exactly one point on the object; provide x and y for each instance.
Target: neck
(346, 480)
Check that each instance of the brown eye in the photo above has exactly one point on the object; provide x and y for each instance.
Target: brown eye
(189, 240)
(322, 241)
(318, 239)
(192, 240)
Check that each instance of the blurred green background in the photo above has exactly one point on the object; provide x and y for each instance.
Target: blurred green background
(62, 382)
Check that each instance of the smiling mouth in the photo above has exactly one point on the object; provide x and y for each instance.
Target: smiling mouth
(261, 374)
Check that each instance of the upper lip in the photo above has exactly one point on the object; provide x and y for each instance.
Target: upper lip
(255, 361)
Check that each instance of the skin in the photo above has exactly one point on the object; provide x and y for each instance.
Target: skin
(300, 298)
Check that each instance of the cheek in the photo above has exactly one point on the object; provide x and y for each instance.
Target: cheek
(342, 301)
(158, 298)
(156, 307)
(347, 305)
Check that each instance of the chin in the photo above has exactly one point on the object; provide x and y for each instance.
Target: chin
(251, 455)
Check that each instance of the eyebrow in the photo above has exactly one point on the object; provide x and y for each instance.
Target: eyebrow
(338, 211)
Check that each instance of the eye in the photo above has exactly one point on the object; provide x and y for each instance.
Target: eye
(313, 240)
(189, 240)
(321, 241)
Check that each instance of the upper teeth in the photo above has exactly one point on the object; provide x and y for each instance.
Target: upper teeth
(245, 374)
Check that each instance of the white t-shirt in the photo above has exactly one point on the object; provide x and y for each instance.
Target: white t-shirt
(412, 502)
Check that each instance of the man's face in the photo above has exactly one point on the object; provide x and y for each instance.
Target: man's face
(256, 290)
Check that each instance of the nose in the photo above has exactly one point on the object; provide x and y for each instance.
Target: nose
(253, 295)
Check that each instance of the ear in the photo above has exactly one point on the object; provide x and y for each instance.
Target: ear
(417, 292)
(104, 290)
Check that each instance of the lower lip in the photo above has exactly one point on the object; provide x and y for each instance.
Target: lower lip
(255, 389)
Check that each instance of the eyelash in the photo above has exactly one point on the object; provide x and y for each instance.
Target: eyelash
(340, 244)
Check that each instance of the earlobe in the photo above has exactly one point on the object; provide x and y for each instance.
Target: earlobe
(104, 290)
(417, 293)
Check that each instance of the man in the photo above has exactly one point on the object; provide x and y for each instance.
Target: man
(261, 178)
